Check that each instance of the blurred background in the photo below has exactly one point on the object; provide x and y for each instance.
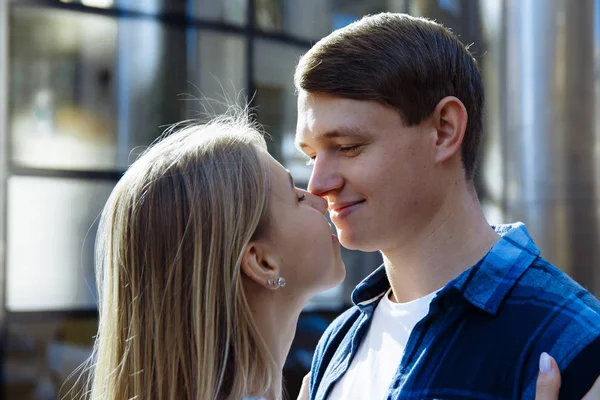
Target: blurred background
(85, 85)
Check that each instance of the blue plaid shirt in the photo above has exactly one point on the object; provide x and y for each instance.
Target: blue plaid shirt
(484, 332)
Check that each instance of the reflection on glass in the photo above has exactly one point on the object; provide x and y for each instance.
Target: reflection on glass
(151, 76)
(40, 356)
(51, 231)
(217, 73)
(274, 66)
(347, 11)
(230, 11)
(307, 19)
(98, 3)
(227, 11)
(269, 16)
(62, 89)
(87, 91)
(313, 19)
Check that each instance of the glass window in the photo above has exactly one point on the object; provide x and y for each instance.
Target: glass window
(308, 19)
(227, 11)
(51, 227)
(274, 65)
(87, 89)
(62, 89)
(151, 75)
(313, 19)
(39, 356)
(451, 6)
(231, 11)
(217, 72)
(461, 16)
(347, 11)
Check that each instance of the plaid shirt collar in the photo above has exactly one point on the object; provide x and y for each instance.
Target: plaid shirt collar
(485, 285)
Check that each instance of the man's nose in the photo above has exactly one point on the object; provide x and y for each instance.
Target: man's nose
(325, 178)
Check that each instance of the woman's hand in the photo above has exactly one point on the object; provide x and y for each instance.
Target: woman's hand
(548, 382)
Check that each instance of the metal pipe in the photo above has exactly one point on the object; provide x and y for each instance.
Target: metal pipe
(4, 20)
(549, 130)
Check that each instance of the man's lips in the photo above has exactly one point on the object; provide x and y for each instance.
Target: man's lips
(337, 207)
(341, 210)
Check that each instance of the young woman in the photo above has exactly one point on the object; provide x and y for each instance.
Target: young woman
(206, 255)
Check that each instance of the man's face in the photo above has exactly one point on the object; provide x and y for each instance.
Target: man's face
(376, 173)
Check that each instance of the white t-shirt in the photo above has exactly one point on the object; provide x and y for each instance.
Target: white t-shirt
(378, 357)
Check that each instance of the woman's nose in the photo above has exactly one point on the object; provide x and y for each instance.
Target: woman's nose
(318, 203)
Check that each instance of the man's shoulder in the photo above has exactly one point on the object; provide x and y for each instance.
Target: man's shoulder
(545, 285)
(559, 317)
(562, 315)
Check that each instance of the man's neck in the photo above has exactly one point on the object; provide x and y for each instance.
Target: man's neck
(455, 239)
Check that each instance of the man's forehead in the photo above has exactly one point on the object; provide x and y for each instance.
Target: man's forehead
(308, 127)
(323, 117)
(305, 125)
(306, 111)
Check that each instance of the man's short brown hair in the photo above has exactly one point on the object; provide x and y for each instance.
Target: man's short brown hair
(405, 62)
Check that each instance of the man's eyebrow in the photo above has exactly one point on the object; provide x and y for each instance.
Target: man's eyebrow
(353, 133)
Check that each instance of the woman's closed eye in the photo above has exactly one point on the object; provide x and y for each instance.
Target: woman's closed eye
(302, 197)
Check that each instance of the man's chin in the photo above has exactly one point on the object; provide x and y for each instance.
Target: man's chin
(356, 241)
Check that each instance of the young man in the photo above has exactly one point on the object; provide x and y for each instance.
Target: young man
(390, 112)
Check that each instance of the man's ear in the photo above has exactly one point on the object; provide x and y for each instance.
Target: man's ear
(259, 264)
(450, 121)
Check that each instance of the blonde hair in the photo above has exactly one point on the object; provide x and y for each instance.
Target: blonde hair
(174, 319)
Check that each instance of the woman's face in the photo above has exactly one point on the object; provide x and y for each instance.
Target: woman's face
(299, 235)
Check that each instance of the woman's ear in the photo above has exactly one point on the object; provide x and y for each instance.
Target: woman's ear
(450, 120)
(259, 264)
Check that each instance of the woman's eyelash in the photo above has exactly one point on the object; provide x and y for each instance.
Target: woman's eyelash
(302, 197)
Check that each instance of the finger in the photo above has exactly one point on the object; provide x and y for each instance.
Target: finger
(594, 393)
(548, 382)
(304, 392)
